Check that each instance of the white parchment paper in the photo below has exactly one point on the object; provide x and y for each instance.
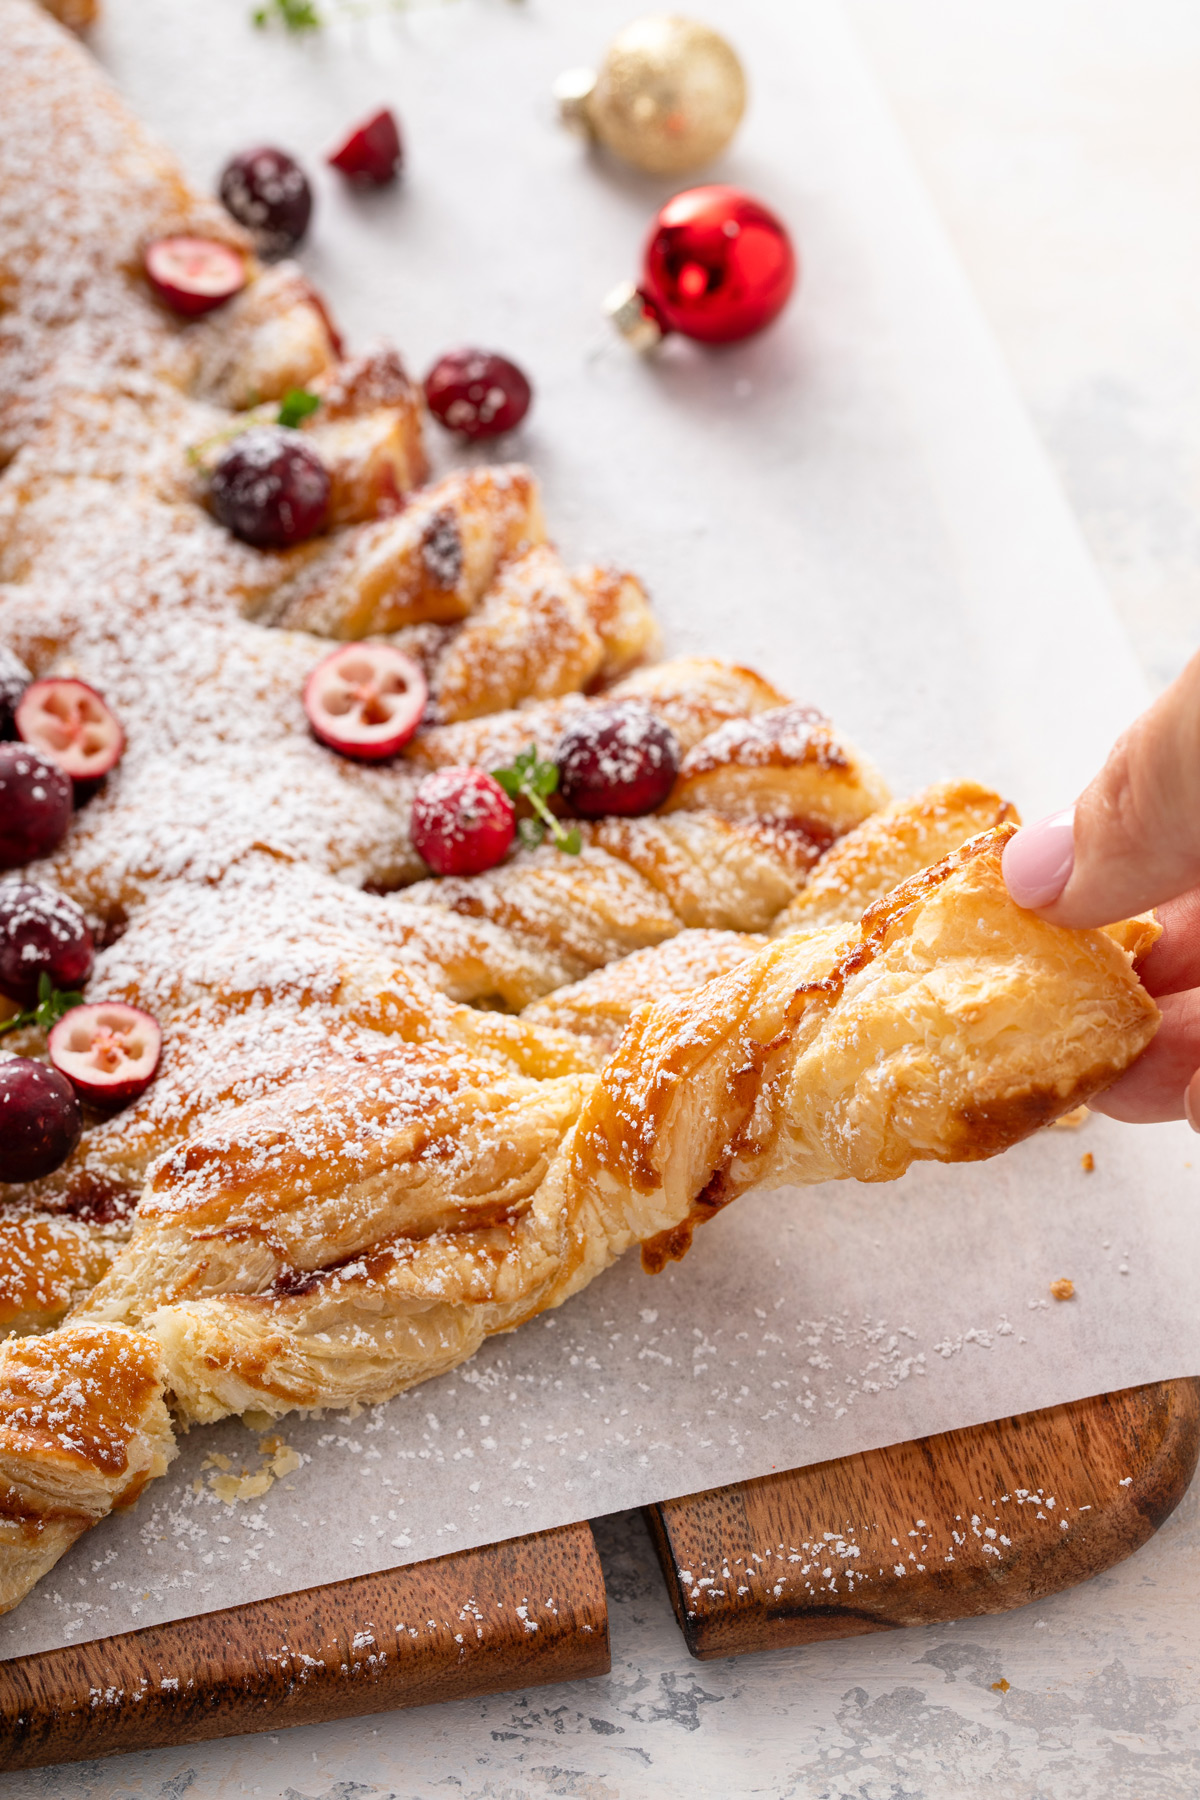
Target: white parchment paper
(854, 502)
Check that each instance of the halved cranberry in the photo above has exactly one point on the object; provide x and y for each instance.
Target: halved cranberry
(365, 700)
(109, 1053)
(40, 1120)
(373, 152)
(69, 722)
(36, 803)
(41, 933)
(616, 759)
(462, 821)
(477, 393)
(14, 679)
(194, 275)
(267, 191)
(270, 488)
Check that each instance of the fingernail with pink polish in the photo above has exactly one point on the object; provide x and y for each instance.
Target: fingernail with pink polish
(1038, 861)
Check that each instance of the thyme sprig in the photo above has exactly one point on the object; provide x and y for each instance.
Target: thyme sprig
(52, 1003)
(297, 405)
(533, 780)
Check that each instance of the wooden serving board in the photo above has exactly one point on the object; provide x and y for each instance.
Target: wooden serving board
(443, 1630)
(943, 1527)
(789, 1559)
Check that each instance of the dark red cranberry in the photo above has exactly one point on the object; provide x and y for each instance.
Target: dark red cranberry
(41, 933)
(40, 1120)
(373, 152)
(194, 275)
(35, 805)
(14, 679)
(462, 821)
(267, 191)
(477, 393)
(270, 488)
(616, 759)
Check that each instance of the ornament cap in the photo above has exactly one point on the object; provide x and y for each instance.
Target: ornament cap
(633, 317)
(573, 90)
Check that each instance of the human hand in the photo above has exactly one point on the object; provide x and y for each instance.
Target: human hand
(1132, 841)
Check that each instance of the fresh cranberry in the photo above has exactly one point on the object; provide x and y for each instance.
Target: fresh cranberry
(41, 933)
(477, 393)
(109, 1053)
(40, 1120)
(365, 700)
(616, 759)
(270, 488)
(194, 275)
(373, 152)
(69, 722)
(267, 191)
(462, 821)
(14, 679)
(35, 805)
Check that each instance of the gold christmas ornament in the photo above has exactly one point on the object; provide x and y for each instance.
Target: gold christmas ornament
(668, 96)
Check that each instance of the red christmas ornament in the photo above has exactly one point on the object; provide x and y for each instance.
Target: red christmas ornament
(718, 267)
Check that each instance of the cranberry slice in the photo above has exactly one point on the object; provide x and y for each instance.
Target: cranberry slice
(365, 700)
(462, 822)
(373, 151)
(477, 393)
(41, 933)
(194, 275)
(270, 488)
(267, 191)
(69, 722)
(14, 679)
(40, 1120)
(36, 803)
(109, 1053)
(616, 759)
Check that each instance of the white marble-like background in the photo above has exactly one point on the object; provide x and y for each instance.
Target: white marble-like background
(1060, 142)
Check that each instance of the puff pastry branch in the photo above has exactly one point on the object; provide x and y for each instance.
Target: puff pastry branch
(312, 1251)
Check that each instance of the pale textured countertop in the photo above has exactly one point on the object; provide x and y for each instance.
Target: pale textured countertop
(1061, 140)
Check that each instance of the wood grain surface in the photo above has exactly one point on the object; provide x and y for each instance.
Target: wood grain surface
(943, 1527)
(516, 1614)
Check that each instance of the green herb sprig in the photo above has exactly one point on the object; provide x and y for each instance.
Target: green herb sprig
(52, 1003)
(297, 405)
(293, 15)
(532, 780)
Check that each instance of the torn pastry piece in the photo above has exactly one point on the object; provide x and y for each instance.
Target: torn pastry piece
(890, 845)
(947, 1025)
(431, 563)
(317, 1238)
(83, 1427)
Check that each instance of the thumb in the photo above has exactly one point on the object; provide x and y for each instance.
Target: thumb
(1132, 840)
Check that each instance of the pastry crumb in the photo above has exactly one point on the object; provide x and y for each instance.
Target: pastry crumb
(1087, 1162)
(1062, 1289)
(1001, 1686)
(1070, 1121)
